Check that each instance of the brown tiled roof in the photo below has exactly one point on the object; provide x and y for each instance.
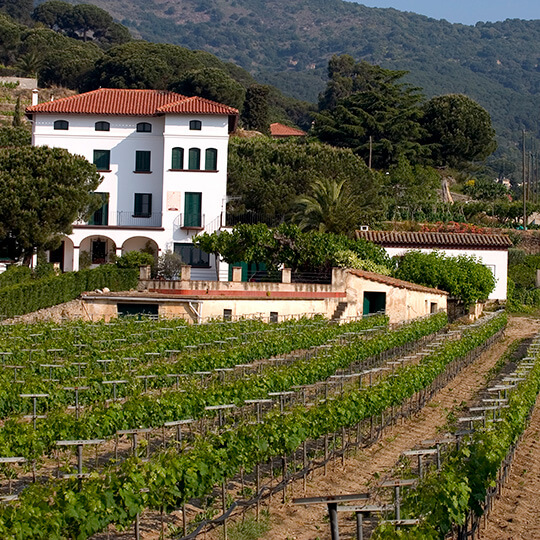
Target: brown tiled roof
(436, 239)
(122, 102)
(393, 282)
(281, 130)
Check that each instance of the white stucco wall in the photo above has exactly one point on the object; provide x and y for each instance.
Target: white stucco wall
(495, 260)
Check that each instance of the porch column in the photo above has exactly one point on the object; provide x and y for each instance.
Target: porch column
(76, 252)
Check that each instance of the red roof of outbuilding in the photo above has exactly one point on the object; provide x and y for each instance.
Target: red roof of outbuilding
(281, 130)
(411, 239)
(393, 282)
(123, 102)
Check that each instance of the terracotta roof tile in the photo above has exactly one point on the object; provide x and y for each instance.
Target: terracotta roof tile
(281, 130)
(439, 240)
(122, 102)
(387, 280)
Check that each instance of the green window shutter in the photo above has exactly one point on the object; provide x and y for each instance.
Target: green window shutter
(142, 161)
(177, 159)
(194, 159)
(210, 162)
(143, 205)
(192, 210)
(101, 215)
(102, 160)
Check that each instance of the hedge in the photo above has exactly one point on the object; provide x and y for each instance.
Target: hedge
(50, 291)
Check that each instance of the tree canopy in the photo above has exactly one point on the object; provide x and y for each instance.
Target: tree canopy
(463, 277)
(42, 192)
(370, 110)
(211, 83)
(286, 245)
(256, 113)
(266, 177)
(458, 130)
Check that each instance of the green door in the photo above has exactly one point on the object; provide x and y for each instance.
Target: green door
(374, 302)
(192, 210)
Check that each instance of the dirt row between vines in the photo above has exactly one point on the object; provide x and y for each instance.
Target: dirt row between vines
(309, 523)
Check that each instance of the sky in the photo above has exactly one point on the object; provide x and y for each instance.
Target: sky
(464, 11)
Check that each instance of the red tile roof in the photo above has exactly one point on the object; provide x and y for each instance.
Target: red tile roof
(121, 102)
(409, 239)
(393, 282)
(281, 130)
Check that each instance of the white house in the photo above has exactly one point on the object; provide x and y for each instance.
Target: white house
(163, 160)
(490, 249)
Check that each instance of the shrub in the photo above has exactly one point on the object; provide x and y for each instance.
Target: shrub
(32, 295)
(134, 259)
(169, 265)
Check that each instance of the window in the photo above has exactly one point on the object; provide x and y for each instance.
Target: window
(177, 163)
(195, 125)
(101, 215)
(143, 205)
(102, 126)
(192, 210)
(194, 159)
(144, 127)
(192, 255)
(102, 160)
(61, 124)
(227, 314)
(274, 316)
(142, 161)
(210, 161)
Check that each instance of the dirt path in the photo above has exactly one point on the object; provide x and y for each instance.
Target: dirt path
(310, 523)
(515, 514)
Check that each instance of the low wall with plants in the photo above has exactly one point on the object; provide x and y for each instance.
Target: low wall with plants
(31, 295)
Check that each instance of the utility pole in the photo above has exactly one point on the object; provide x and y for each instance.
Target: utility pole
(524, 184)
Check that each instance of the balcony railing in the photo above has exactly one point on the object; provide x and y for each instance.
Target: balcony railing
(129, 219)
(190, 221)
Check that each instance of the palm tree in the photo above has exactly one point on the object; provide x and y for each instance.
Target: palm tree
(329, 208)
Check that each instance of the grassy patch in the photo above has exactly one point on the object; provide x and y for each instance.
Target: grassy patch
(250, 528)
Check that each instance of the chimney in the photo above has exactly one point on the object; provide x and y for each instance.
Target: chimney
(35, 96)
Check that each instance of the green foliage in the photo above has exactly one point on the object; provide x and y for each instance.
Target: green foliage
(349, 259)
(20, 10)
(267, 176)
(135, 259)
(522, 293)
(31, 295)
(309, 252)
(81, 21)
(410, 185)
(15, 275)
(169, 265)
(463, 277)
(211, 83)
(369, 109)
(255, 113)
(458, 130)
(15, 135)
(42, 192)
(485, 189)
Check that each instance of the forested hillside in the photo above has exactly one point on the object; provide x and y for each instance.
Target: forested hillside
(288, 44)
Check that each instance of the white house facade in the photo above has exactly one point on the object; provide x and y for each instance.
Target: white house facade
(163, 161)
(490, 249)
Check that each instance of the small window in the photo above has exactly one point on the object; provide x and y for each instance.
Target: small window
(103, 126)
(99, 252)
(144, 127)
(227, 314)
(193, 256)
(177, 159)
(102, 160)
(194, 159)
(210, 161)
(274, 316)
(61, 124)
(142, 161)
(101, 215)
(195, 125)
(143, 205)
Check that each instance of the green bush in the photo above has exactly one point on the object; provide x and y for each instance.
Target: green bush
(463, 277)
(31, 295)
(134, 259)
(14, 275)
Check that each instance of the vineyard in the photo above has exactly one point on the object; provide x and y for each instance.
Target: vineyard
(137, 424)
